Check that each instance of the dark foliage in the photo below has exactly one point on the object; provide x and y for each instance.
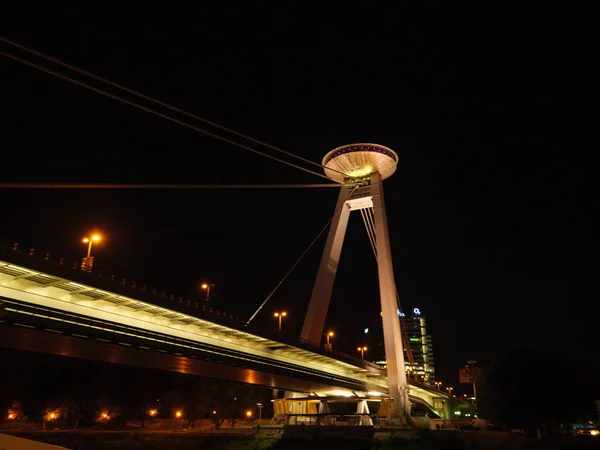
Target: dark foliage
(526, 388)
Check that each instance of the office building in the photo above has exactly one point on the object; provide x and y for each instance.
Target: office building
(414, 329)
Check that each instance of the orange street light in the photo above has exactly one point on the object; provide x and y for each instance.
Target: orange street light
(89, 241)
(178, 415)
(88, 261)
(11, 416)
(330, 335)
(280, 315)
(438, 384)
(362, 351)
(52, 416)
(153, 412)
(206, 287)
(105, 415)
(248, 414)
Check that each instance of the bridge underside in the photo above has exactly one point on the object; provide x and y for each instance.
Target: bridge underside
(39, 341)
(50, 314)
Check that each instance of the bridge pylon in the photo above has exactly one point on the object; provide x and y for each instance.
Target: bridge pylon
(362, 168)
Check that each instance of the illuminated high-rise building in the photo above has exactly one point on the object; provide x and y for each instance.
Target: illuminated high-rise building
(421, 347)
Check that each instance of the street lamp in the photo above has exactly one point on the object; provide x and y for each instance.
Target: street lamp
(260, 407)
(178, 415)
(280, 315)
(206, 287)
(449, 389)
(248, 414)
(89, 241)
(362, 351)
(330, 335)
(438, 384)
(88, 261)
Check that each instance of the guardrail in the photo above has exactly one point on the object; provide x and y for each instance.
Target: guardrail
(78, 269)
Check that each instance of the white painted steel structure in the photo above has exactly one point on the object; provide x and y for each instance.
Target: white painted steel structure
(366, 165)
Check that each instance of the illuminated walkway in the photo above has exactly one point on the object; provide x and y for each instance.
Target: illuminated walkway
(59, 302)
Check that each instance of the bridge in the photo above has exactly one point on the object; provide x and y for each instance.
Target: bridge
(51, 308)
(358, 169)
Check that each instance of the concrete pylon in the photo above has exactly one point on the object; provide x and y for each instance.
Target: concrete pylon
(314, 322)
(356, 198)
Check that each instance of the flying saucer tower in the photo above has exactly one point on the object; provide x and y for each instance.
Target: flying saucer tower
(362, 168)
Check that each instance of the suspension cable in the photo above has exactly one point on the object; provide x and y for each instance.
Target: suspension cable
(350, 192)
(159, 186)
(406, 341)
(156, 113)
(371, 218)
(159, 102)
(369, 232)
(369, 221)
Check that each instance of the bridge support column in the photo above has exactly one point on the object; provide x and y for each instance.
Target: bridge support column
(314, 322)
(362, 407)
(324, 407)
(392, 336)
(370, 196)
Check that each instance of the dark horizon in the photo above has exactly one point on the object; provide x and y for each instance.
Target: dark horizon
(491, 211)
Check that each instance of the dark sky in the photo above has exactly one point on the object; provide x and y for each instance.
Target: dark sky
(493, 114)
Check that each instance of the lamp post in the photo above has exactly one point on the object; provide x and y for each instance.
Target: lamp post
(450, 389)
(88, 261)
(330, 335)
(362, 351)
(438, 384)
(280, 315)
(206, 287)
(178, 415)
(260, 407)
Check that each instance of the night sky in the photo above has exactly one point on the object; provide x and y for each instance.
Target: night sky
(491, 212)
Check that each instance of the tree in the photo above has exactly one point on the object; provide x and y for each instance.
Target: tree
(527, 388)
(217, 399)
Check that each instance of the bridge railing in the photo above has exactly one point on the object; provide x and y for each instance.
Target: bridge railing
(340, 355)
(37, 260)
(42, 261)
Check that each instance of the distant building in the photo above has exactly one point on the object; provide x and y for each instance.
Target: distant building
(415, 329)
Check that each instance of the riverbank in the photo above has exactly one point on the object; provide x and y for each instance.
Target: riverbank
(249, 440)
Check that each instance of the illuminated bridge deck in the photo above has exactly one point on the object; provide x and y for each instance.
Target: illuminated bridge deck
(36, 299)
(53, 299)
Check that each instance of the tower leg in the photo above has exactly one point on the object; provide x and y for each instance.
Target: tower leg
(394, 351)
(314, 322)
